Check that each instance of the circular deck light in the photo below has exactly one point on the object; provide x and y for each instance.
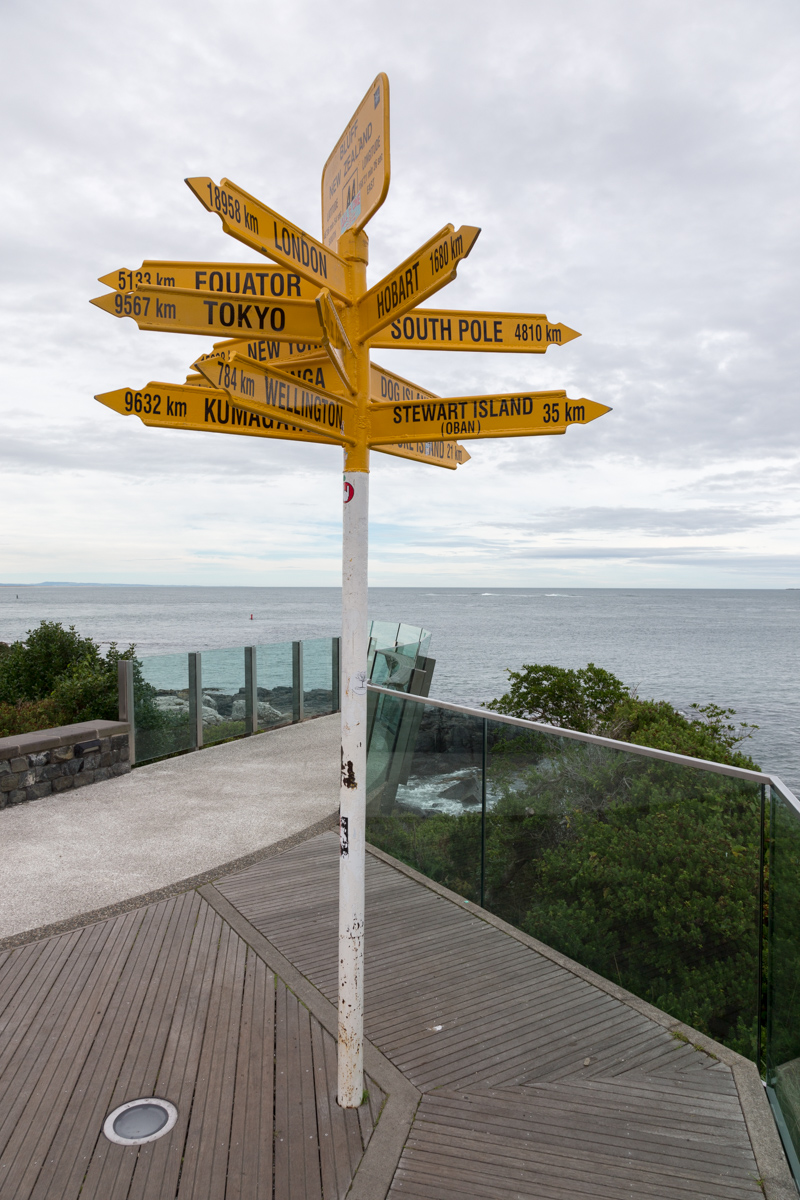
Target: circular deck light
(140, 1121)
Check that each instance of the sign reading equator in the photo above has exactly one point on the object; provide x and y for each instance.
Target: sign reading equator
(355, 179)
(257, 280)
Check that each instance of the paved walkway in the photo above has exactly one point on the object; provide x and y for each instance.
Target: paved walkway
(496, 1069)
(95, 848)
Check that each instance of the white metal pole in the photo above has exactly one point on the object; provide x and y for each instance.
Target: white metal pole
(353, 787)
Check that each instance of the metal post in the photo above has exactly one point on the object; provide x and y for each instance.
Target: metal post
(761, 870)
(336, 649)
(127, 707)
(250, 690)
(195, 700)
(484, 757)
(297, 682)
(352, 806)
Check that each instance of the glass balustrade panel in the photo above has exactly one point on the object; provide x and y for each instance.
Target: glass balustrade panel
(317, 677)
(274, 681)
(646, 871)
(224, 704)
(161, 706)
(424, 789)
(783, 970)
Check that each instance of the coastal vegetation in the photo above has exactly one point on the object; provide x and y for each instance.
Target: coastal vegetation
(642, 870)
(56, 677)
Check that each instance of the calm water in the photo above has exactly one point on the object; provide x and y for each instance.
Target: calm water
(735, 648)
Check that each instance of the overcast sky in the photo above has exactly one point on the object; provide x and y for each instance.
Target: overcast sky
(634, 169)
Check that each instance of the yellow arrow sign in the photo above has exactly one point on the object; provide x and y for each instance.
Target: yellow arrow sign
(420, 276)
(256, 280)
(385, 386)
(355, 179)
(187, 406)
(259, 388)
(510, 415)
(447, 329)
(178, 310)
(308, 362)
(263, 229)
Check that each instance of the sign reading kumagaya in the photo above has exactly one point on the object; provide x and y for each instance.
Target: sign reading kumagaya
(189, 406)
(443, 329)
(179, 310)
(259, 388)
(420, 276)
(355, 179)
(256, 280)
(261, 228)
(510, 415)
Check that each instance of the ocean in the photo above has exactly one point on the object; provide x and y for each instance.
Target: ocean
(738, 649)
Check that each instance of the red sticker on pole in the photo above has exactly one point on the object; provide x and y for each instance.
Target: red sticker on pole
(349, 492)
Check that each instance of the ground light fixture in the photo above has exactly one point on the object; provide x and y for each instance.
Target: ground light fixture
(140, 1121)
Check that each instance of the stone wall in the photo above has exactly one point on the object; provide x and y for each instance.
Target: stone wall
(33, 765)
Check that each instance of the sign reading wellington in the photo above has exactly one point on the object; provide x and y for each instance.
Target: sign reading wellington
(290, 360)
(355, 179)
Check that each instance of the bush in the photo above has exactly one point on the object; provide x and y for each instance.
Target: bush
(56, 677)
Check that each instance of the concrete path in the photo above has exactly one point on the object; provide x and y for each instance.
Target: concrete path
(78, 852)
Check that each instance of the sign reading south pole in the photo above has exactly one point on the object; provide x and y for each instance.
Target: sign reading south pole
(355, 179)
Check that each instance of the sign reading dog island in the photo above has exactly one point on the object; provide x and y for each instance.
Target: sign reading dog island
(294, 364)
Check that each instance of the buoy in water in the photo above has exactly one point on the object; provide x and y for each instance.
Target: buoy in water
(251, 616)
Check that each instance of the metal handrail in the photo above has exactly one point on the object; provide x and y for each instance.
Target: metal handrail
(683, 760)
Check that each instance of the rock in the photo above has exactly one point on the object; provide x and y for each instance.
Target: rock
(265, 711)
(172, 704)
(211, 716)
(209, 701)
(465, 790)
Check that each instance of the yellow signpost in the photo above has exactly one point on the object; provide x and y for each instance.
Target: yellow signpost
(355, 179)
(446, 329)
(295, 364)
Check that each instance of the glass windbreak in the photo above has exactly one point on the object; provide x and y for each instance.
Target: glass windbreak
(783, 970)
(161, 706)
(645, 871)
(274, 681)
(224, 702)
(317, 677)
(424, 790)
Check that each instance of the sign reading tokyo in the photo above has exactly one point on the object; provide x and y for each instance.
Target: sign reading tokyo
(520, 415)
(355, 179)
(179, 310)
(448, 329)
(261, 228)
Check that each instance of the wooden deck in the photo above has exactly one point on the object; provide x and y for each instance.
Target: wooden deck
(493, 1070)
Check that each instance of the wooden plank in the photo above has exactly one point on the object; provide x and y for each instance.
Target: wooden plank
(250, 1160)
